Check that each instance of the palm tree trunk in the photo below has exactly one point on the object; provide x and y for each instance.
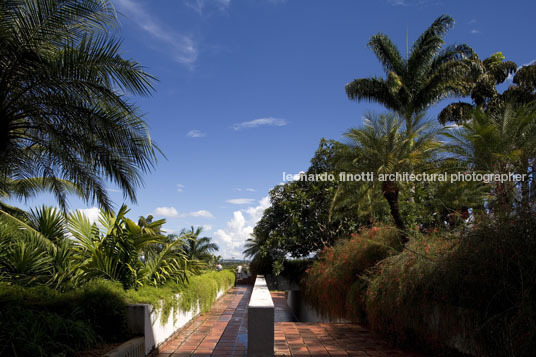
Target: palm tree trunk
(390, 192)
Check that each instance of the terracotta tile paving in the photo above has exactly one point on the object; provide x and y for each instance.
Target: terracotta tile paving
(220, 332)
(223, 332)
(325, 339)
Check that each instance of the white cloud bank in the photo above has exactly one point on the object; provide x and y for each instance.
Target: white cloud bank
(260, 122)
(196, 134)
(168, 212)
(241, 201)
(91, 213)
(231, 239)
(171, 212)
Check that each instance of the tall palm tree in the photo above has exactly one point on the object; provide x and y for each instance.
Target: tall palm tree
(64, 114)
(198, 248)
(384, 145)
(428, 74)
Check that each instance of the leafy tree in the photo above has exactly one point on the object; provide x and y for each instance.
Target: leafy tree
(196, 248)
(64, 115)
(429, 73)
(299, 221)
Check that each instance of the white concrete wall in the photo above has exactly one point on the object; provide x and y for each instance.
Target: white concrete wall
(143, 319)
(260, 320)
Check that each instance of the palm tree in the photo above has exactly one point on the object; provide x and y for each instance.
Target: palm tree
(486, 75)
(123, 251)
(40, 252)
(385, 146)
(197, 248)
(64, 114)
(499, 142)
(252, 247)
(427, 74)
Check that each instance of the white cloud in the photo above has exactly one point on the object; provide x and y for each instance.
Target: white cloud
(475, 31)
(200, 5)
(206, 227)
(472, 21)
(166, 212)
(231, 239)
(180, 187)
(196, 134)
(200, 213)
(260, 122)
(91, 213)
(255, 213)
(241, 201)
(181, 46)
(172, 212)
(398, 2)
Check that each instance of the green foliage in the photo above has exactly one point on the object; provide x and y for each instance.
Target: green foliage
(45, 322)
(42, 321)
(476, 292)
(299, 220)
(27, 332)
(67, 126)
(337, 271)
(387, 144)
(498, 142)
(63, 252)
(200, 289)
(198, 248)
(430, 72)
(482, 82)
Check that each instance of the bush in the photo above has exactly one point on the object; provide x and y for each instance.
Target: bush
(200, 288)
(475, 293)
(41, 321)
(333, 284)
(401, 300)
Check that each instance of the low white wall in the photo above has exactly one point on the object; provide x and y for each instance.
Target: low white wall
(143, 319)
(260, 320)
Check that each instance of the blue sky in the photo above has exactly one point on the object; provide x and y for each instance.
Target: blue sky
(247, 88)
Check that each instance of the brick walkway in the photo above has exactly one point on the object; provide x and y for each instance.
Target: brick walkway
(324, 339)
(223, 332)
(220, 332)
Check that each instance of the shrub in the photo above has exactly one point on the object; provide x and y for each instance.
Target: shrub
(200, 289)
(335, 276)
(401, 299)
(41, 321)
(476, 293)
